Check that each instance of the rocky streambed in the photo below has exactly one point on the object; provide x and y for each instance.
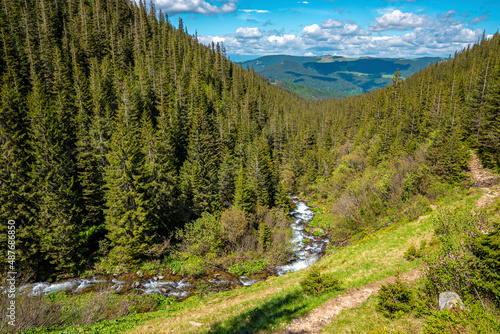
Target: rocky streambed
(307, 250)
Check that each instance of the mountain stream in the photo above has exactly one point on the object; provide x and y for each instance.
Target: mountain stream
(307, 250)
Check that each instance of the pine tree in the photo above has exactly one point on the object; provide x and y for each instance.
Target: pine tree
(489, 138)
(57, 195)
(226, 180)
(265, 236)
(243, 196)
(261, 173)
(159, 167)
(200, 168)
(131, 228)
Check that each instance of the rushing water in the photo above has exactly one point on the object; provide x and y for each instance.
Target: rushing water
(305, 254)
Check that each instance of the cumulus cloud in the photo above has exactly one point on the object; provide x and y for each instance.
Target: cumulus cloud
(441, 35)
(248, 32)
(330, 23)
(331, 30)
(195, 6)
(397, 20)
(315, 32)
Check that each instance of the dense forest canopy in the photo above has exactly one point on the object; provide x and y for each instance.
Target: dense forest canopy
(118, 129)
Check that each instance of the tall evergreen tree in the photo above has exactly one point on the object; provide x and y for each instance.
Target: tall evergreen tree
(129, 218)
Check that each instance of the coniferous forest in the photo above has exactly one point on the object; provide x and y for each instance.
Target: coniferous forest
(125, 140)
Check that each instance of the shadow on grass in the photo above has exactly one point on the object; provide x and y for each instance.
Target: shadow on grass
(276, 311)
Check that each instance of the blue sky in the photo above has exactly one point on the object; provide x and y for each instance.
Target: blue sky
(380, 28)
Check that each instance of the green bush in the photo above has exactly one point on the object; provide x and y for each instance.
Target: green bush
(413, 252)
(316, 283)
(395, 299)
(203, 236)
(487, 250)
(248, 267)
(455, 267)
(473, 320)
(384, 331)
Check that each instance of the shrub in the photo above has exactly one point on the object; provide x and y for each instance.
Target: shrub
(487, 250)
(248, 267)
(455, 267)
(235, 225)
(316, 283)
(384, 331)
(395, 299)
(61, 309)
(202, 236)
(474, 320)
(413, 253)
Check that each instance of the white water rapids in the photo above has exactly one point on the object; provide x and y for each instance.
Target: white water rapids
(307, 253)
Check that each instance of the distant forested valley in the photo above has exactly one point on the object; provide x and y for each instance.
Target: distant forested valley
(124, 140)
(334, 76)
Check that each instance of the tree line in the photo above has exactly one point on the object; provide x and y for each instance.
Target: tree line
(118, 129)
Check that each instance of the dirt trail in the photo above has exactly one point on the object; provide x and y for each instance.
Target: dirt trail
(482, 177)
(322, 315)
(485, 180)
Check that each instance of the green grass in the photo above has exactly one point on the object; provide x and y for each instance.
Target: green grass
(366, 318)
(269, 305)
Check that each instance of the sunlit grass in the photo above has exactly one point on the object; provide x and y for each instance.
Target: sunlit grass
(270, 305)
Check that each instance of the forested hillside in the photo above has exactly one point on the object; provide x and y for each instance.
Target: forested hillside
(333, 75)
(118, 129)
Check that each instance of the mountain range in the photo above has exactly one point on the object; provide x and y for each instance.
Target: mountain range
(334, 76)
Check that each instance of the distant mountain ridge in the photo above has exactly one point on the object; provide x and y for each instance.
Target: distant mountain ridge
(336, 76)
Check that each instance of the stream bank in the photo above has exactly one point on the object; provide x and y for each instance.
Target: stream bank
(307, 249)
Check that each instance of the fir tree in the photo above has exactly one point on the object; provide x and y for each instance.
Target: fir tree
(243, 196)
(129, 221)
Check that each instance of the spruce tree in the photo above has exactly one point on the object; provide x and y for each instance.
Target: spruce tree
(243, 195)
(129, 217)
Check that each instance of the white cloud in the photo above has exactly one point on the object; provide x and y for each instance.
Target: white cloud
(315, 32)
(309, 54)
(331, 30)
(248, 32)
(209, 39)
(440, 36)
(258, 11)
(194, 6)
(330, 23)
(283, 40)
(304, 2)
(398, 20)
(351, 29)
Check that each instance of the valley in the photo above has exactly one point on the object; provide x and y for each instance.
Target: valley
(334, 76)
(152, 173)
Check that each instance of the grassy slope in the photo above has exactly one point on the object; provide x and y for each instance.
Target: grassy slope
(364, 318)
(271, 304)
